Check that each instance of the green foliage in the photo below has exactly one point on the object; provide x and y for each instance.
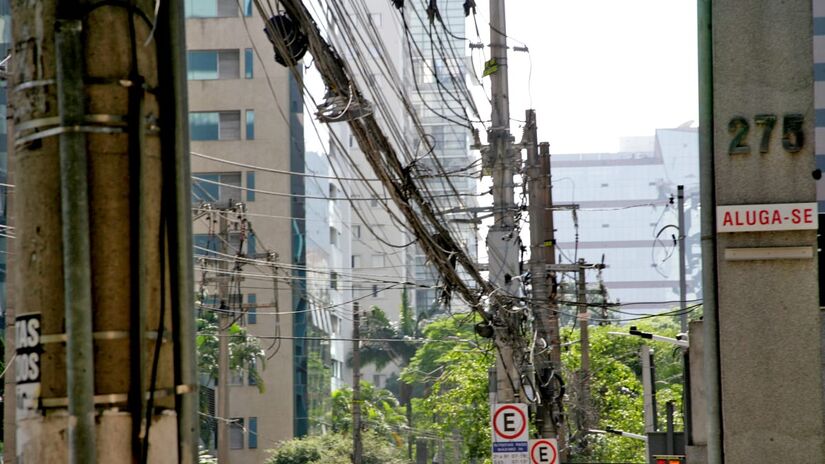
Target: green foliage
(336, 448)
(456, 404)
(616, 388)
(380, 411)
(244, 351)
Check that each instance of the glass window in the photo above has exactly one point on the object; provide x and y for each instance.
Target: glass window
(333, 280)
(356, 231)
(250, 124)
(248, 63)
(333, 236)
(251, 245)
(215, 125)
(212, 64)
(236, 433)
(375, 291)
(247, 11)
(211, 8)
(252, 310)
(377, 260)
(253, 432)
(356, 261)
(250, 185)
(216, 187)
(253, 367)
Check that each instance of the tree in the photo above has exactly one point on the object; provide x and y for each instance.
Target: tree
(380, 411)
(616, 388)
(336, 448)
(456, 403)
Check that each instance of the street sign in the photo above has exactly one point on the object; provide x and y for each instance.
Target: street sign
(771, 217)
(27, 364)
(510, 434)
(544, 451)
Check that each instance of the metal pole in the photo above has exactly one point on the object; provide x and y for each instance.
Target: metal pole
(356, 384)
(76, 247)
(177, 194)
(223, 347)
(683, 318)
(708, 220)
(649, 400)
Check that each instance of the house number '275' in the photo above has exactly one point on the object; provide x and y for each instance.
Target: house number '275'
(792, 136)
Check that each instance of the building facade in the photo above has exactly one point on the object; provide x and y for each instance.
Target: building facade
(241, 130)
(622, 208)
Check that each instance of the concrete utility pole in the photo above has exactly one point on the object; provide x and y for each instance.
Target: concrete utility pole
(97, 164)
(649, 389)
(502, 241)
(356, 385)
(683, 318)
(224, 321)
(542, 246)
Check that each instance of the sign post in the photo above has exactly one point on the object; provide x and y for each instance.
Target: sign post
(510, 434)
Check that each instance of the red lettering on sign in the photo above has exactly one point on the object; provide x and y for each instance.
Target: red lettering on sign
(809, 216)
(795, 217)
(738, 220)
(763, 216)
(728, 221)
(750, 217)
(777, 218)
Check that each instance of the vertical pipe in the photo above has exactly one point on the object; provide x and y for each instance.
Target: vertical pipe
(177, 195)
(707, 188)
(647, 390)
(76, 248)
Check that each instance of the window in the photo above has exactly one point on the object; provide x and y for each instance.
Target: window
(333, 236)
(333, 191)
(213, 187)
(247, 8)
(253, 432)
(375, 19)
(376, 380)
(377, 260)
(212, 64)
(248, 63)
(337, 368)
(211, 8)
(252, 310)
(333, 280)
(215, 125)
(250, 124)
(236, 433)
(253, 368)
(251, 245)
(350, 140)
(374, 202)
(375, 291)
(356, 261)
(336, 324)
(250, 184)
(356, 231)
(236, 377)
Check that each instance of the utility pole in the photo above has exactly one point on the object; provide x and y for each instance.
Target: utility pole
(356, 384)
(584, 372)
(683, 318)
(502, 240)
(223, 341)
(101, 193)
(649, 389)
(542, 245)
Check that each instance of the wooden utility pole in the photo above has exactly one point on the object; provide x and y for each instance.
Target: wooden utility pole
(584, 336)
(542, 245)
(224, 321)
(356, 384)
(102, 188)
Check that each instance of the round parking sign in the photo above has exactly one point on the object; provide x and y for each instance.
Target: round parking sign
(543, 451)
(510, 422)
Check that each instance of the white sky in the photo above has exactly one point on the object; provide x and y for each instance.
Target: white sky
(601, 69)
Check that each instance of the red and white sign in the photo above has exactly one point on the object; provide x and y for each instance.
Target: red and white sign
(510, 422)
(757, 218)
(544, 451)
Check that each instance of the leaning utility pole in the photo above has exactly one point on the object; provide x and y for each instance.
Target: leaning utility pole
(356, 384)
(502, 239)
(102, 203)
(542, 246)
